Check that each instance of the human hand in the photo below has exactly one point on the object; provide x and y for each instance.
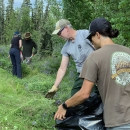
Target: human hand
(21, 55)
(32, 55)
(51, 92)
(60, 114)
(8, 56)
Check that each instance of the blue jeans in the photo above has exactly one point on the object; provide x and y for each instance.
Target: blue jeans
(122, 127)
(16, 62)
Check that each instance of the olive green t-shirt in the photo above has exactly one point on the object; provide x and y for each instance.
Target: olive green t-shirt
(109, 68)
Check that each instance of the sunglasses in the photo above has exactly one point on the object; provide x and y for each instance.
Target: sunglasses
(59, 33)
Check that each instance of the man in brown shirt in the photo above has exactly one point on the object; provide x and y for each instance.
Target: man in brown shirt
(109, 68)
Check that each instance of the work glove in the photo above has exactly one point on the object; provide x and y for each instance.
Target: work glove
(51, 92)
(21, 55)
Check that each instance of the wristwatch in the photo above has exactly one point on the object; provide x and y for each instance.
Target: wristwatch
(64, 106)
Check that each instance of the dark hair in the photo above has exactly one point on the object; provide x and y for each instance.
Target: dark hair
(90, 37)
(112, 33)
(108, 32)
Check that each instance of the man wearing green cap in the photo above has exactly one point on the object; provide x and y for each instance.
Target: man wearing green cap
(76, 46)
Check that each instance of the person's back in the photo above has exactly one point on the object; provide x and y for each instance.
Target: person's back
(15, 42)
(113, 63)
(15, 46)
(109, 68)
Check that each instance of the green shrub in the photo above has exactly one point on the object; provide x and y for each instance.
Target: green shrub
(38, 83)
(25, 69)
(51, 65)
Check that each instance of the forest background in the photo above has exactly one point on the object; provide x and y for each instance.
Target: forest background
(23, 105)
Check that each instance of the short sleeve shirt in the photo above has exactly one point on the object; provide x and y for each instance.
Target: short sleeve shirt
(109, 68)
(79, 49)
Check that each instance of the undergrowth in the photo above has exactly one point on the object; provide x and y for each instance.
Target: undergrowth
(23, 102)
(24, 109)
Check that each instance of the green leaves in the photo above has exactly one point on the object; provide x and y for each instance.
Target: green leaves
(78, 12)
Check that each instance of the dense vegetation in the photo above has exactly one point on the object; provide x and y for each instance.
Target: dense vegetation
(23, 102)
(23, 105)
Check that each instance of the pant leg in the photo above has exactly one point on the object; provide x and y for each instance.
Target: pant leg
(18, 63)
(122, 127)
(78, 84)
(14, 67)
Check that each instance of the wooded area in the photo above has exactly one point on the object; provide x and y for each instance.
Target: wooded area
(23, 102)
(41, 17)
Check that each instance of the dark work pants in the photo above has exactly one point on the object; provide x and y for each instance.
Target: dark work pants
(78, 84)
(16, 62)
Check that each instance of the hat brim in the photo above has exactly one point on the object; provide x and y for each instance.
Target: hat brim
(27, 37)
(89, 36)
(56, 31)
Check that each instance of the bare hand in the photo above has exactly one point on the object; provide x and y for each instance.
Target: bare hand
(60, 114)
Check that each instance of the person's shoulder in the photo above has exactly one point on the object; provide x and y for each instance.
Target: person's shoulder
(23, 39)
(32, 40)
(95, 53)
(83, 31)
(67, 44)
(18, 37)
(122, 46)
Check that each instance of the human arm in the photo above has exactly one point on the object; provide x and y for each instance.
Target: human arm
(20, 43)
(89, 73)
(20, 47)
(35, 48)
(61, 71)
(77, 99)
(10, 47)
(60, 74)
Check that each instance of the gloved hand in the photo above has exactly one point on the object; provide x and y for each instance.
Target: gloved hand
(51, 92)
(32, 55)
(21, 55)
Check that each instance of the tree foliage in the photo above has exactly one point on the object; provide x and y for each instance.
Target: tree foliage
(41, 17)
(1, 20)
(80, 13)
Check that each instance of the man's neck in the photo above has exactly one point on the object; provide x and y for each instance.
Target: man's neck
(73, 34)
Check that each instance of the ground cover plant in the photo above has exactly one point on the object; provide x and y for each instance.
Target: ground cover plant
(23, 102)
(23, 108)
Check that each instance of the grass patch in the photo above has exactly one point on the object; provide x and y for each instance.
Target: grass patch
(25, 108)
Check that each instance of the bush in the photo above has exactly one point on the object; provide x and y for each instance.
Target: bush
(25, 69)
(51, 65)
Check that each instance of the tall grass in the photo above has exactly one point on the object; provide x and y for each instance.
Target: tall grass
(23, 108)
(23, 103)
